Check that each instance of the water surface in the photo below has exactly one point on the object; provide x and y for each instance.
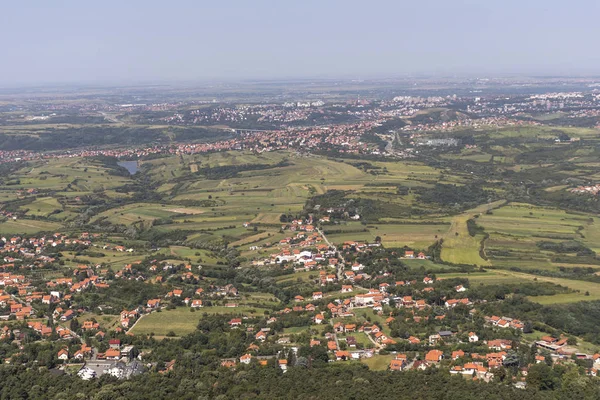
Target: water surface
(131, 166)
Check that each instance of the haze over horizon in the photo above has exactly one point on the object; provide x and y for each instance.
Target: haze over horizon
(135, 41)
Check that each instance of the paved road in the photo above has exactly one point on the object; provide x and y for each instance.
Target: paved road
(377, 345)
(340, 267)
(82, 340)
(337, 343)
(23, 303)
(136, 321)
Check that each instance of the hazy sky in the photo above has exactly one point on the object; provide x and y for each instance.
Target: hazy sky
(131, 40)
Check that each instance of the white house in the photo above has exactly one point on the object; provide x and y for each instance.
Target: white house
(86, 373)
(357, 266)
(63, 354)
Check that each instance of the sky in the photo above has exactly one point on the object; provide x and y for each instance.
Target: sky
(179, 40)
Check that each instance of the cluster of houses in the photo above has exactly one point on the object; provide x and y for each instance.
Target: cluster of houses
(46, 331)
(431, 358)
(22, 252)
(410, 255)
(300, 225)
(341, 312)
(26, 254)
(593, 190)
(345, 330)
(29, 250)
(304, 251)
(350, 338)
(261, 360)
(43, 330)
(345, 137)
(474, 365)
(504, 322)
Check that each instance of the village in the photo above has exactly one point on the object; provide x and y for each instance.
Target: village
(354, 310)
(357, 118)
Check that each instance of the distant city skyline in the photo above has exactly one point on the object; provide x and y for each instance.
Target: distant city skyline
(150, 41)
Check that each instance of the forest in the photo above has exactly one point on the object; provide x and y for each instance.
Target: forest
(253, 382)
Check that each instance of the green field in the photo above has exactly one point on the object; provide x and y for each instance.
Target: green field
(66, 174)
(428, 265)
(314, 329)
(182, 321)
(27, 226)
(378, 362)
(302, 276)
(515, 229)
(495, 277)
(261, 196)
(145, 212)
(42, 206)
(115, 260)
(212, 212)
(107, 322)
(461, 248)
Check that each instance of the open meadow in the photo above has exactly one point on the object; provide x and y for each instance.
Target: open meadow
(182, 321)
(459, 246)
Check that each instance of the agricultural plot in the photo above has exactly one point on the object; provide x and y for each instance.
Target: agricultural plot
(302, 276)
(339, 238)
(470, 155)
(516, 230)
(491, 277)
(428, 265)
(196, 255)
(42, 207)
(366, 314)
(260, 196)
(259, 299)
(591, 234)
(145, 212)
(417, 236)
(585, 291)
(115, 260)
(266, 219)
(27, 226)
(526, 220)
(72, 174)
(250, 239)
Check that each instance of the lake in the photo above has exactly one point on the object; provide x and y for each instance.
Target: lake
(131, 166)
